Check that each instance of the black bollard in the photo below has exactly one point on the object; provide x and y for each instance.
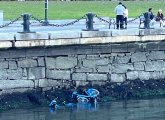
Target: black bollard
(89, 23)
(26, 23)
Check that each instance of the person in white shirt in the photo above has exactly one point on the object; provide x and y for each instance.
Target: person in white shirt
(119, 10)
(125, 16)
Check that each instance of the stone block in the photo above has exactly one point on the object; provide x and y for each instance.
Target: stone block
(24, 72)
(118, 77)
(138, 57)
(139, 65)
(161, 45)
(64, 34)
(97, 77)
(97, 56)
(17, 53)
(122, 59)
(128, 32)
(36, 73)
(33, 52)
(85, 50)
(132, 75)
(5, 44)
(58, 74)
(36, 83)
(121, 68)
(94, 40)
(41, 61)
(124, 39)
(101, 48)
(66, 62)
(103, 69)
(83, 69)
(106, 55)
(32, 36)
(27, 63)
(81, 83)
(151, 32)
(4, 64)
(144, 75)
(155, 66)
(152, 46)
(12, 84)
(154, 38)
(6, 36)
(156, 55)
(63, 50)
(3, 74)
(70, 41)
(93, 63)
(91, 34)
(162, 74)
(63, 41)
(80, 57)
(50, 62)
(14, 74)
(135, 47)
(13, 65)
(155, 75)
(4, 54)
(30, 43)
(48, 83)
(79, 76)
(119, 48)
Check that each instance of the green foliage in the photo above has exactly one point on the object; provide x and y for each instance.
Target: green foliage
(74, 9)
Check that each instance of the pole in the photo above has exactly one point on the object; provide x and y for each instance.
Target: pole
(45, 23)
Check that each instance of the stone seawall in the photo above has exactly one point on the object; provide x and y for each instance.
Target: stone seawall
(71, 59)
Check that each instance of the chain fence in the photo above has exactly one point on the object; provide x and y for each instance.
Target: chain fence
(11, 22)
(109, 21)
(59, 25)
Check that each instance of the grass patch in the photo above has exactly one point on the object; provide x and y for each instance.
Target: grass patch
(76, 9)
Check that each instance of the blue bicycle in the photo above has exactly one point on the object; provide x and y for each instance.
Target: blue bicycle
(90, 95)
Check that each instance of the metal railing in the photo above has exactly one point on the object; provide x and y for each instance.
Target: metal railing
(89, 17)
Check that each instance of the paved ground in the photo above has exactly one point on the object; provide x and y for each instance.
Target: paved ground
(35, 26)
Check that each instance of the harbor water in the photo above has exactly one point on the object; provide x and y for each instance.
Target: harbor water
(151, 109)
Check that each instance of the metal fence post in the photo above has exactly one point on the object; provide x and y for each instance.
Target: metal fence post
(45, 23)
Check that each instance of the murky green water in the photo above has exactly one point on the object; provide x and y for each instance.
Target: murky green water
(123, 110)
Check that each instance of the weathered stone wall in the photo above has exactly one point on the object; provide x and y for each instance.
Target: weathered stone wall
(81, 64)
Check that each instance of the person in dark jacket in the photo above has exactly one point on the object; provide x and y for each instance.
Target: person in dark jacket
(148, 17)
(160, 17)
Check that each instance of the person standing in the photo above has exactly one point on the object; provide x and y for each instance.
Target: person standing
(125, 16)
(160, 17)
(119, 10)
(148, 17)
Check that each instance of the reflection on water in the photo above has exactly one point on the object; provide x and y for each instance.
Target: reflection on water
(123, 110)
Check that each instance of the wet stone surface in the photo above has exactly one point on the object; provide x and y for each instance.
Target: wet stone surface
(136, 89)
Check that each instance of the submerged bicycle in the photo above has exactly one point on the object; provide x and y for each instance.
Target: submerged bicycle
(89, 95)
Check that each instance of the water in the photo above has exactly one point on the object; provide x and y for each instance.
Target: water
(123, 110)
